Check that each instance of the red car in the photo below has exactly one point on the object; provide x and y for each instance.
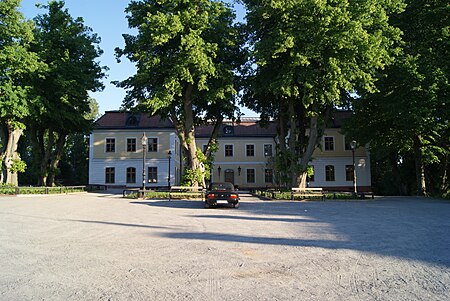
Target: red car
(221, 194)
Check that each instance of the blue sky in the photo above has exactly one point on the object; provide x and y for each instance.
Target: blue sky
(106, 18)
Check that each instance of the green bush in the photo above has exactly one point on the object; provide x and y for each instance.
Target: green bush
(11, 190)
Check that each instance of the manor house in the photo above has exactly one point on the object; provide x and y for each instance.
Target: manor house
(245, 156)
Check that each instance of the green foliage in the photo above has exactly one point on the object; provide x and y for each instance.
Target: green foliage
(17, 62)
(70, 49)
(180, 43)
(192, 176)
(305, 55)
(286, 195)
(186, 53)
(18, 166)
(412, 108)
(11, 190)
(311, 51)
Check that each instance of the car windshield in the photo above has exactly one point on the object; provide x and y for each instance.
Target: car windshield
(222, 186)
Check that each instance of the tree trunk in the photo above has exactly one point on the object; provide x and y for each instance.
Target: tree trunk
(307, 154)
(192, 160)
(215, 133)
(4, 138)
(11, 154)
(420, 168)
(292, 143)
(397, 178)
(45, 159)
(55, 159)
(444, 185)
(283, 158)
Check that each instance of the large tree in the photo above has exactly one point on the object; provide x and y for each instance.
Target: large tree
(410, 116)
(17, 63)
(185, 53)
(308, 55)
(70, 49)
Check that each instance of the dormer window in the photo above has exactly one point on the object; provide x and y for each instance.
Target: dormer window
(132, 121)
(228, 130)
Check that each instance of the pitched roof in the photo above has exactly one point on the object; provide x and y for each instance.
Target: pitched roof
(242, 129)
(127, 120)
(247, 127)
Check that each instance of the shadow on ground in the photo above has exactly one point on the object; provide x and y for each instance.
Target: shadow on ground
(185, 204)
(415, 229)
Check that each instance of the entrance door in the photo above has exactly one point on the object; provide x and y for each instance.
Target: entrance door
(229, 176)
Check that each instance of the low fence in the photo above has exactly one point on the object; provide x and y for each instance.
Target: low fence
(175, 192)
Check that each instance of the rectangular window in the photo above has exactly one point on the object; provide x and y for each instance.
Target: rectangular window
(153, 174)
(329, 173)
(349, 173)
(329, 143)
(251, 178)
(110, 174)
(110, 145)
(250, 150)
(268, 176)
(268, 150)
(131, 145)
(228, 150)
(152, 144)
(131, 175)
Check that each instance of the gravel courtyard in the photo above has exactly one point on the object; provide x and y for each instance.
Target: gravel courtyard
(104, 247)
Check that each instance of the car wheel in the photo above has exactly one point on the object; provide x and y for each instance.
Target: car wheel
(236, 205)
(207, 206)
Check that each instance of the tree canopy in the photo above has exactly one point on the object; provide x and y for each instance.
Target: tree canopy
(17, 64)
(409, 116)
(186, 53)
(307, 55)
(70, 50)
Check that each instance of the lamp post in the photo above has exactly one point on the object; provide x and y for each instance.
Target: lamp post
(168, 177)
(353, 147)
(219, 169)
(239, 170)
(144, 149)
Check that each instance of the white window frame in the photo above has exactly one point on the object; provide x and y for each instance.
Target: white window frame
(334, 173)
(126, 144)
(225, 150)
(148, 144)
(254, 149)
(115, 145)
(148, 175)
(334, 144)
(246, 175)
(104, 173)
(135, 175)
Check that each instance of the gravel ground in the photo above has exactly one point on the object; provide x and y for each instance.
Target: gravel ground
(104, 247)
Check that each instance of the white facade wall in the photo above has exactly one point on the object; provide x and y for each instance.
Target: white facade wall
(97, 166)
(339, 163)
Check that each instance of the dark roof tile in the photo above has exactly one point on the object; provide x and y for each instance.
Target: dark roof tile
(127, 120)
